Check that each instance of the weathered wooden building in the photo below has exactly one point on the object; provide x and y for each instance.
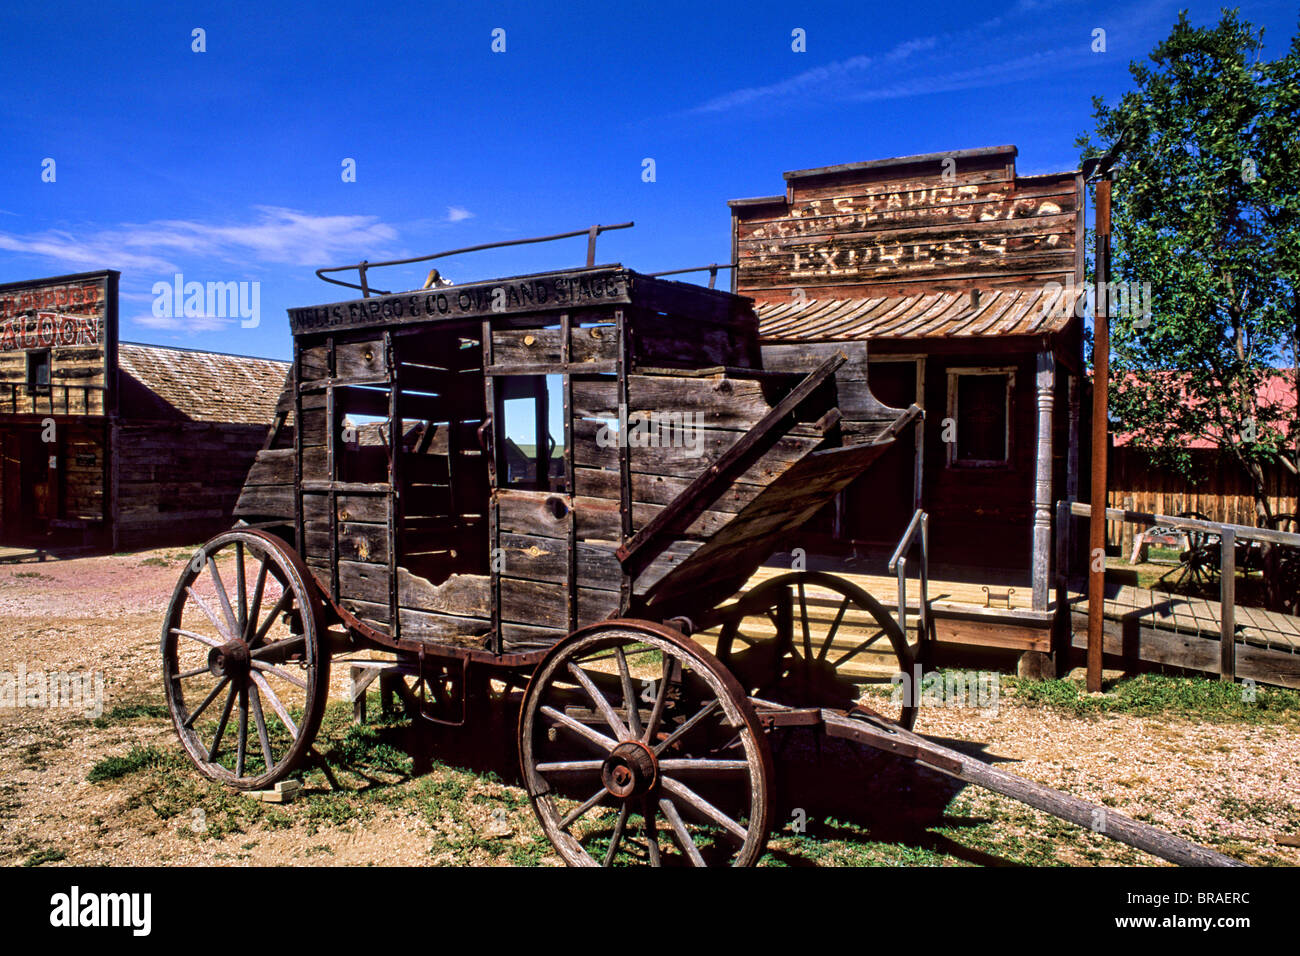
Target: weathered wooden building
(963, 279)
(117, 445)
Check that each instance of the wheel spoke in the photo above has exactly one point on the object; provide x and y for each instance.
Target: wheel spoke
(241, 588)
(260, 719)
(203, 606)
(656, 714)
(686, 727)
(221, 726)
(679, 830)
(255, 605)
(285, 599)
(572, 816)
(570, 766)
(859, 649)
(803, 620)
(651, 833)
(189, 721)
(605, 744)
(688, 765)
(223, 598)
(194, 673)
(274, 701)
(242, 745)
(602, 705)
(629, 699)
(835, 626)
(195, 636)
(283, 675)
(702, 806)
(617, 837)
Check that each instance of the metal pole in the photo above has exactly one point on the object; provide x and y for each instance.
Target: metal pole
(1100, 409)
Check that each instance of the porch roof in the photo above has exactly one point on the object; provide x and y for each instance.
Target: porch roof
(1040, 310)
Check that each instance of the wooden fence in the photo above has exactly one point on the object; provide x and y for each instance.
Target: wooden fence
(1220, 490)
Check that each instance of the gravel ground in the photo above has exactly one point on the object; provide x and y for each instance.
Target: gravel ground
(1235, 786)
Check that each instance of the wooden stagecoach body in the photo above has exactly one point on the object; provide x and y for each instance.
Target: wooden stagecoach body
(452, 538)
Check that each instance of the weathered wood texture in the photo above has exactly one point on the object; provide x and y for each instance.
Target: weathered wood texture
(1217, 488)
(67, 325)
(179, 481)
(937, 224)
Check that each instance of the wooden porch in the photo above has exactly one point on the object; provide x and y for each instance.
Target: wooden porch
(1142, 627)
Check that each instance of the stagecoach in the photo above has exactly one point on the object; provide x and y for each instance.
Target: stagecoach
(554, 488)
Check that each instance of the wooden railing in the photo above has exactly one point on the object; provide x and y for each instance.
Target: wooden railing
(1229, 535)
(59, 398)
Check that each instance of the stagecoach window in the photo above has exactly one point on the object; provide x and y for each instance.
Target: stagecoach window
(532, 406)
(978, 430)
(38, 368)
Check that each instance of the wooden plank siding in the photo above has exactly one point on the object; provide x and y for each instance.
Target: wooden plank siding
(1219, 488)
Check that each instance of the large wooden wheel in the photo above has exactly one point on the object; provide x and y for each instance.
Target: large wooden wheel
(811, 639)
(638, 747)
(243, 668)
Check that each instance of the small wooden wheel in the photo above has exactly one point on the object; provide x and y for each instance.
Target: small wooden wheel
(809, 639)
(637, 746)
(242, 640)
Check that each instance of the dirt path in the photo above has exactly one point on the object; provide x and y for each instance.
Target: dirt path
(1235, 786)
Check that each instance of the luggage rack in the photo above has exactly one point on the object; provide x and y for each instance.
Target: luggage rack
(364, 266)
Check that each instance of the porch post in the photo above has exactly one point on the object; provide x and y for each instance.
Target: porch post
(1042, 543)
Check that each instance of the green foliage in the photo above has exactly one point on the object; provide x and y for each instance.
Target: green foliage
(1206, 208)
(1152, 694)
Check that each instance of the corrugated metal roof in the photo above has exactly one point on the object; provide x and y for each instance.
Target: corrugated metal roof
(207, 386)
(1034, 311)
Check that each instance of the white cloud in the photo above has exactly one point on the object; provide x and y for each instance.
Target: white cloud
(185, 323)
(1018, 45)
(275, 235)
(458, 214)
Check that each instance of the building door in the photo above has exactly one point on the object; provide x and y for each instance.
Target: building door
(876, 508)
(30, 490)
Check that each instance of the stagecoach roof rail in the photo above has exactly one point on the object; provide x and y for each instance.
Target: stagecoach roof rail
(712, 269)
(591, 232)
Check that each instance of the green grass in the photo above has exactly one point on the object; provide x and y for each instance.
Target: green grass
(46, 855)
(136, 759)
(1193, 698)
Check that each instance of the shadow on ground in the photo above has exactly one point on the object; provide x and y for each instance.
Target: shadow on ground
(854, 793)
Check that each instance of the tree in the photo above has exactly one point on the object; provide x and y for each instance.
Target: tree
(1206, 209)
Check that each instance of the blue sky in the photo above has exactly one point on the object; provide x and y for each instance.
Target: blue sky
(226, 165)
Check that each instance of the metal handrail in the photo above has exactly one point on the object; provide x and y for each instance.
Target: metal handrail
(591, 232)
(918, 531)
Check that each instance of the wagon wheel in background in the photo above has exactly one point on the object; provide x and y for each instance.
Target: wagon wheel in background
(1199, 564)
(243, 668)
(810, 639)
(1288, 561)
(638, 747)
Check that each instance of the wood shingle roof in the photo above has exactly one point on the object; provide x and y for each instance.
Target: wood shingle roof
(200, 386)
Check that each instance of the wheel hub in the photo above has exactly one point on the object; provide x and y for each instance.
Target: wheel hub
(630, 770)
(231, 660)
